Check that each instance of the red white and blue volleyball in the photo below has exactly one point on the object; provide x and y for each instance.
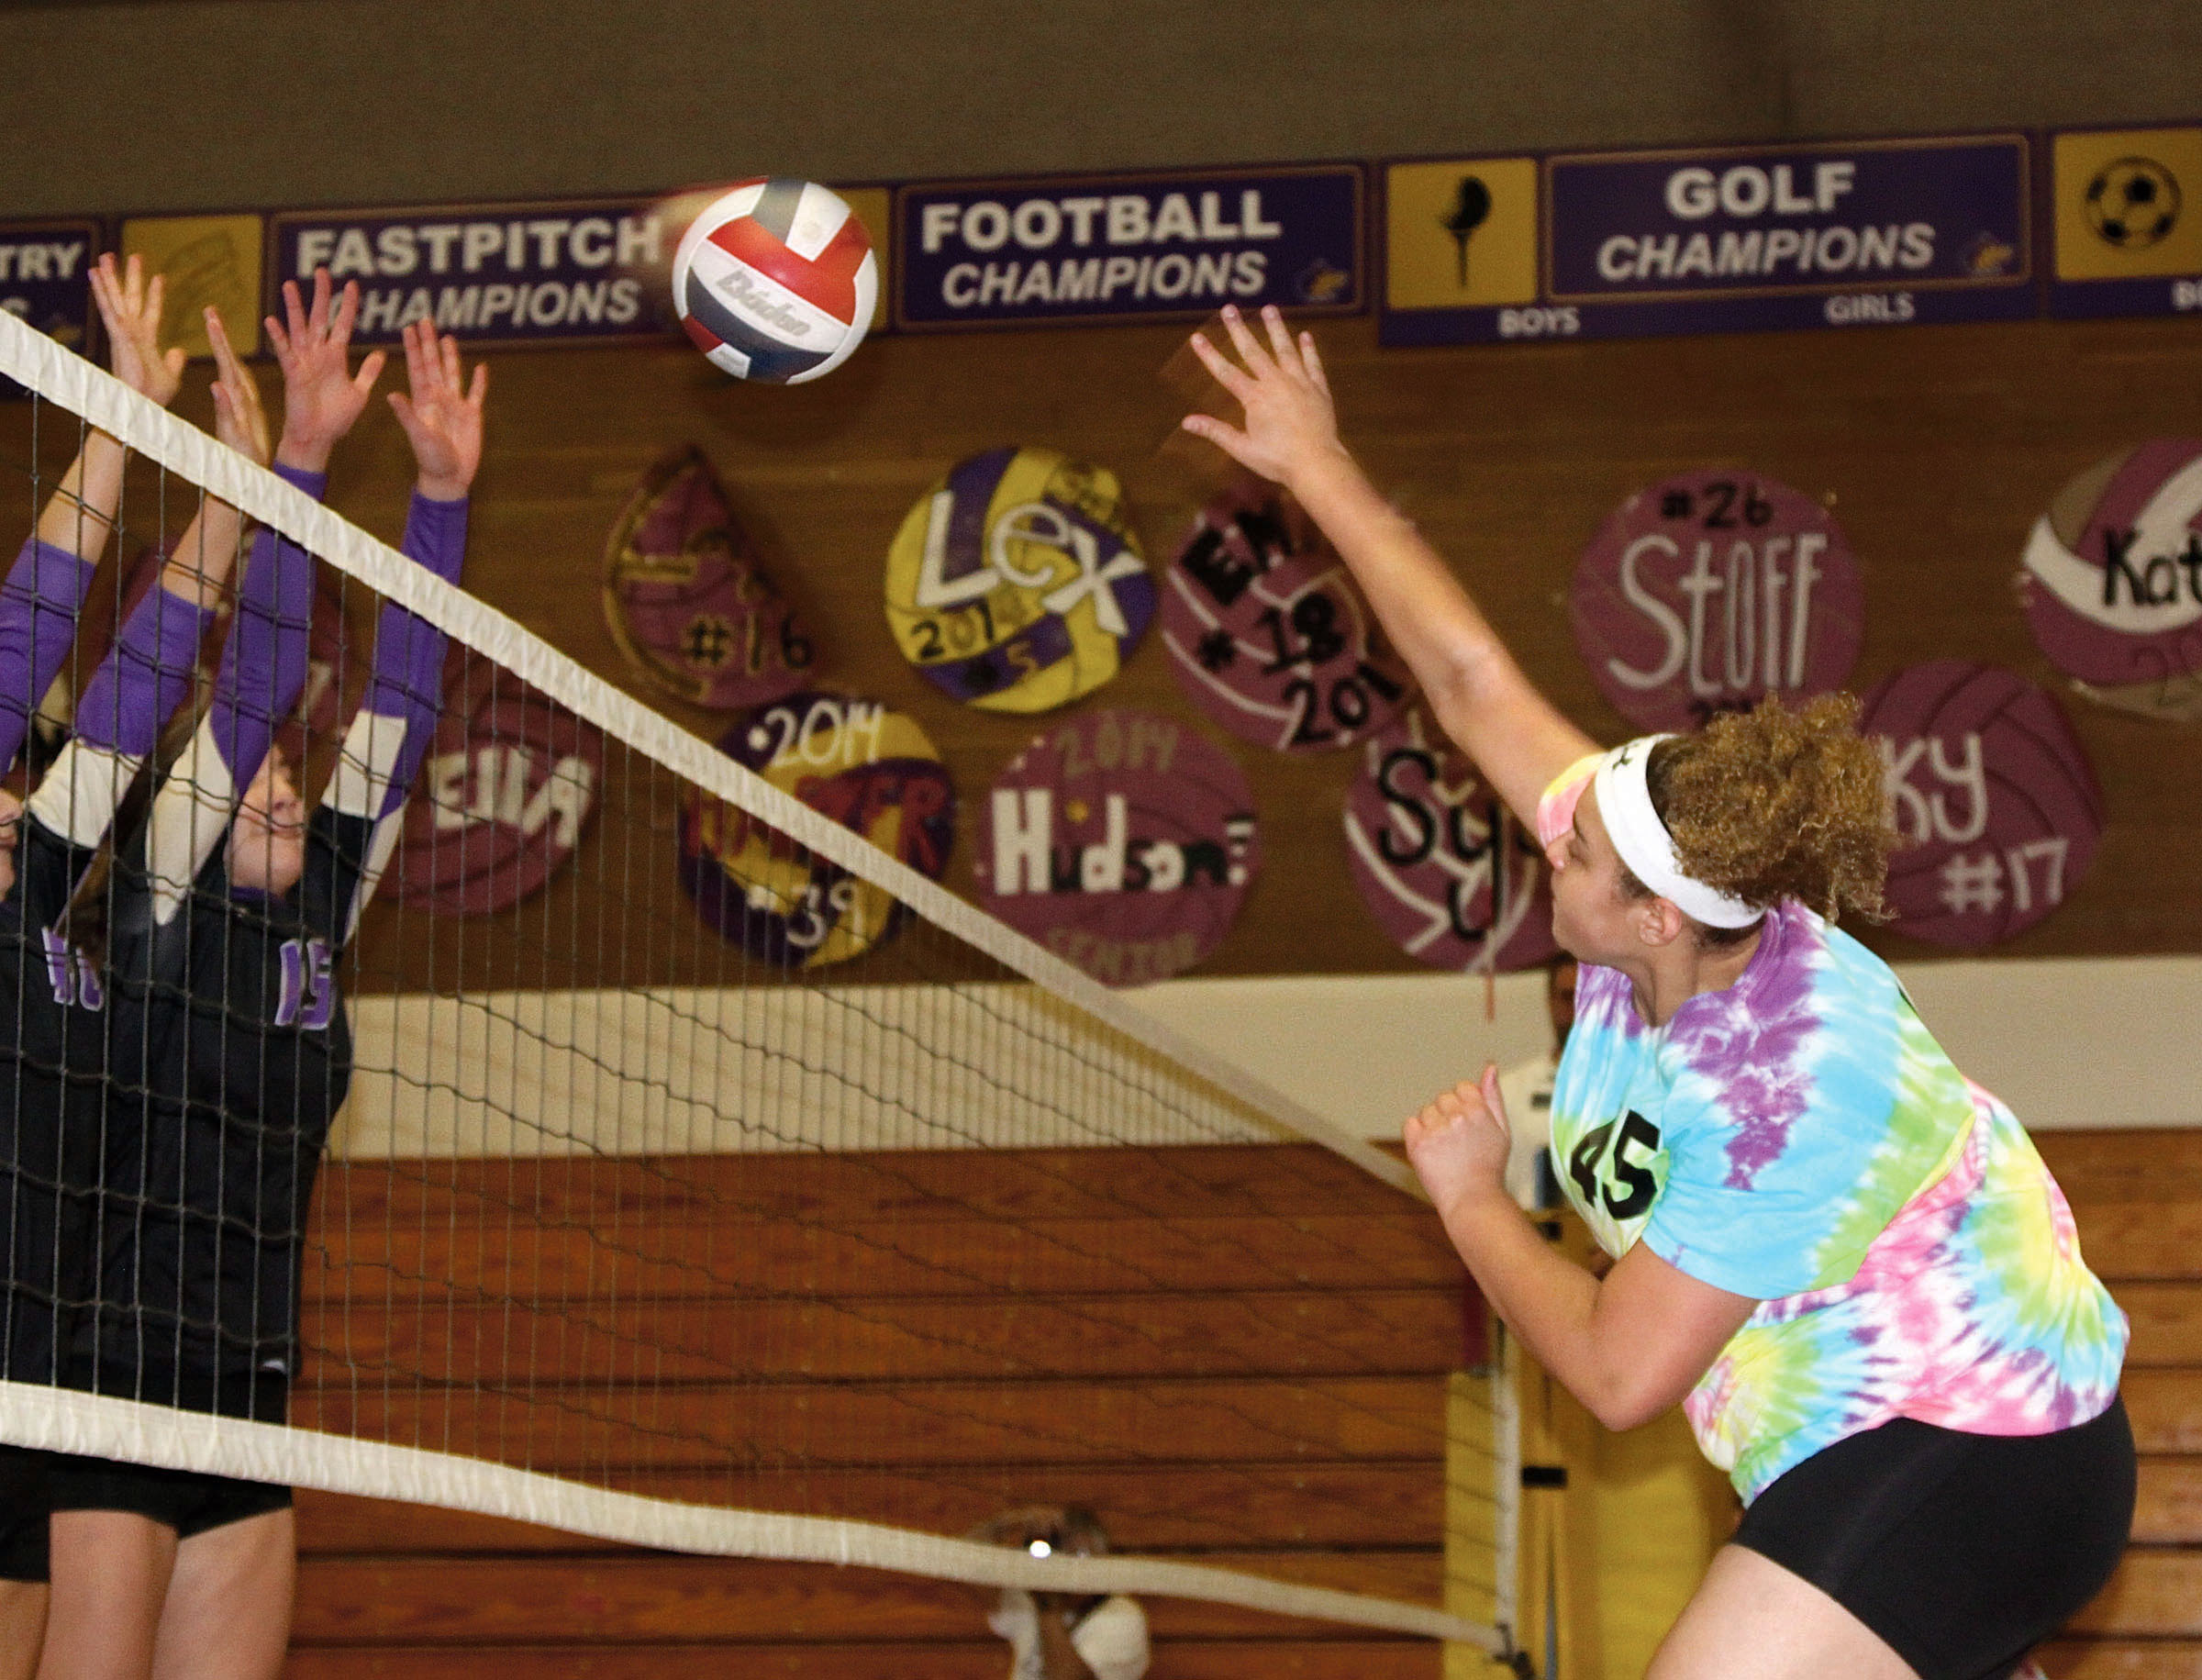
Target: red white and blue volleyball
(775, 281)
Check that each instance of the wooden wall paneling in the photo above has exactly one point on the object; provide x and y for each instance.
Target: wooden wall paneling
(1043, 1222)
(1936, 450)
(872, 1338)
(1062, 1256)
(2099, 1171)
(2123, 1659)
(554, 1427)
(2157, 1594)
(903, 1185)
(377, 1580)
(2168, 1322)
(1301, 1437)
(2168, 1506)
(2137, 1197)
(643, 1599)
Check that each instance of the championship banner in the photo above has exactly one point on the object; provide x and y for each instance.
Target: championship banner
(1729, 239)
(2126, 216)
(45, 277)
(489, 274)
(1146, 246)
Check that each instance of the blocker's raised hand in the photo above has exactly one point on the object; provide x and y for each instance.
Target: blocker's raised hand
(321, 396)
(130, 304)
(238, 419)
(1458, 1142)
(443, 417)
(1290, 423)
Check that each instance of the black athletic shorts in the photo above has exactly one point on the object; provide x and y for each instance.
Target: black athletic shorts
(184, 1500)
(22, 1514)
(1963, 1552)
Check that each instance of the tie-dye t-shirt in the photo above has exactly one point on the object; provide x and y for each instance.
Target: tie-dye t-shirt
(1801, 1139)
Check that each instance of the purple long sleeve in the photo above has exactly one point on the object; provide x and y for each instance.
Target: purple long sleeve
(265, 659)
(144, 677)
(39, 604)
(409, 651)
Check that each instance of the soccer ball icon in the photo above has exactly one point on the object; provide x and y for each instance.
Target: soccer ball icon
(2133, 203)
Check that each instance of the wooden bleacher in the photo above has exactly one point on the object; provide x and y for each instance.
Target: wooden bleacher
(1351, 1347)
(1249, 1346)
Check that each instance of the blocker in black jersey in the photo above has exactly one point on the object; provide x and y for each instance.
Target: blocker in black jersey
(231, 1043)
(250, 1061)
(52, 1094)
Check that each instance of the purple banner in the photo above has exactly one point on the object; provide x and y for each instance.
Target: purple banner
(973, 253)
(1866, 233)
(2095, 300)
(45, 278)
(1869, 225)
(527, 274)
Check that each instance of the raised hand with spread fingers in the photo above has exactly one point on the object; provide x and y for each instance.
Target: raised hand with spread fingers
(1481, 697)
(322, 395)
(442, 417)
(80, 516)
(130, 304)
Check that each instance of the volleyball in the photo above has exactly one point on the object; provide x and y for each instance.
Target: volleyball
(775, 281)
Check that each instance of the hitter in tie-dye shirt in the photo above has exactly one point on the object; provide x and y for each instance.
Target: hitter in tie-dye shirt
(1850, 1264)
(1800, 1138)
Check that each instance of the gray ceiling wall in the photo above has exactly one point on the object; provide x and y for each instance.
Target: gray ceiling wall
(206, 103)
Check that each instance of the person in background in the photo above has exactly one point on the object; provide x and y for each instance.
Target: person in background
(1064, 1636)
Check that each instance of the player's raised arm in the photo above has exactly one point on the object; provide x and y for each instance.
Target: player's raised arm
(46, 587)
(198, 567)
(1480, 696)
(150, 668)
(80, 515)
(264, 664)
(388, 739)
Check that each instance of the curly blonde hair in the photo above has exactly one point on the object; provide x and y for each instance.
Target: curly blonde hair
(1777, 803)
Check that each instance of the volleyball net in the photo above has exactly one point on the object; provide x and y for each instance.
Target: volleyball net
(708, 1176)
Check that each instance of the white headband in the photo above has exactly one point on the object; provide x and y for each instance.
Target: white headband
(1625, 802)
